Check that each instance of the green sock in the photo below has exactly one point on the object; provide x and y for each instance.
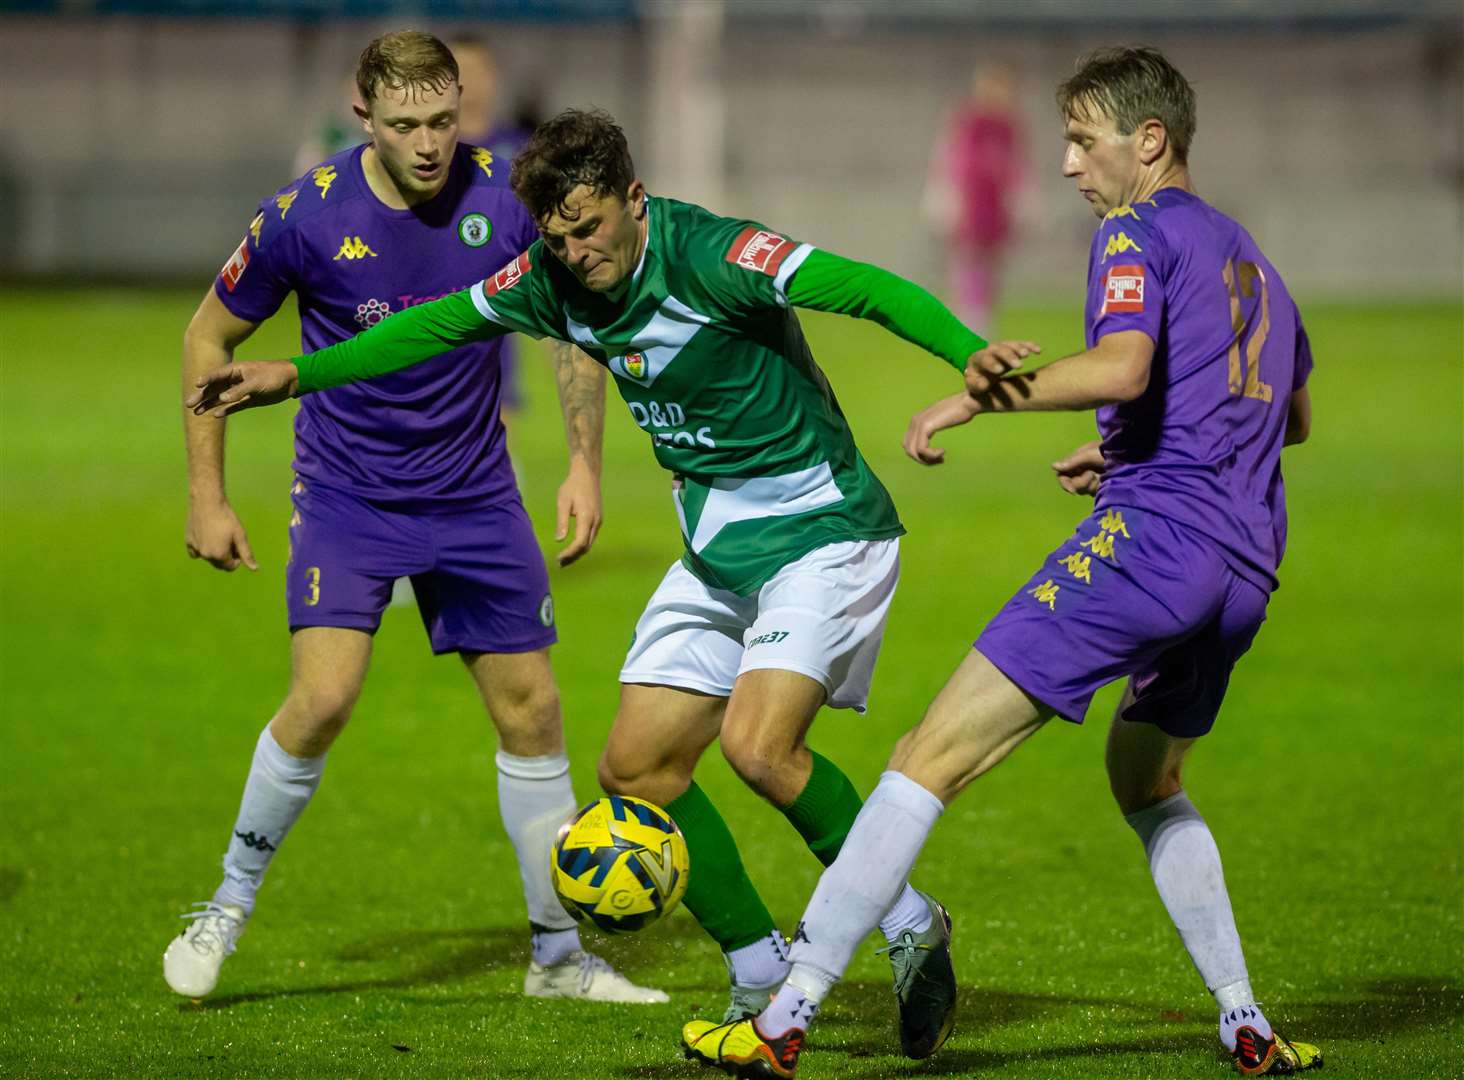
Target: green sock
(718, 890)
(825, 809)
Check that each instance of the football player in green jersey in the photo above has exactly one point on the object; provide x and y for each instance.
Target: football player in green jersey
(778, 603)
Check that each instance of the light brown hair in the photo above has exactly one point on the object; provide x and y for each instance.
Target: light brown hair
(406, 62)
(1131, 85)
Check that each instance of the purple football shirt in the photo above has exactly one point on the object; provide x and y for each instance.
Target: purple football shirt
(424, 438)
(1202, 445)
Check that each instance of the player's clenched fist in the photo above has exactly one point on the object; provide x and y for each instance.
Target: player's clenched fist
(244, 385)
(986, 366)
(1081, 471)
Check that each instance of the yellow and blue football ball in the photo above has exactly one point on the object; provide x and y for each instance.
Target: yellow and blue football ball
(620, 863)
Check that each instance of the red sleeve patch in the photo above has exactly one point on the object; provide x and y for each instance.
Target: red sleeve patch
(1123, 289)
(234, 269)
(760, 250)
(508, 277)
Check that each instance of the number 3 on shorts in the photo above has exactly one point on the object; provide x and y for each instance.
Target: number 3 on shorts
(312, 584)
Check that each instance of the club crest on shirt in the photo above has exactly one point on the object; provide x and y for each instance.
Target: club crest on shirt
(234, 269)
(474, 229)
(634, 365)
(1123, 289)
(508, 277)
(760, 250)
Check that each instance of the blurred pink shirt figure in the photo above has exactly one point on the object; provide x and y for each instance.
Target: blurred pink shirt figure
(977, 170)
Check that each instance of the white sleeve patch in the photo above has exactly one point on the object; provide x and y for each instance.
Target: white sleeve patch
(785, 272)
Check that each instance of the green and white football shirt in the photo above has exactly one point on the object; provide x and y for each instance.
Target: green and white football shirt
(712, 363)
(714, 367)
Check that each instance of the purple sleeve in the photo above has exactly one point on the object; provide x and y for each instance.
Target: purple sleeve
(522, 228)
(260, 273)
(1303, 355)
(1126, 279)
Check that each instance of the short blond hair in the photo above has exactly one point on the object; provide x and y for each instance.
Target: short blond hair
(407, 61)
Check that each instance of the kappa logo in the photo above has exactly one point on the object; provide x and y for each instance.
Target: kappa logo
(353, 248)
(234, 269)
(255, 226)
(323, 178)
(760, 250)
(1123, 289)
(285, 201)
(484, 160)
(508, 277)
(1117, 244)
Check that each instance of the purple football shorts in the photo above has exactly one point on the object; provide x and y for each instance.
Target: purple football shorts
(1129, 594)
(478, 574)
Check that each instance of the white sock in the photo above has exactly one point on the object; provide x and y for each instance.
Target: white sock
(762, 963)
(275, 795)
(909, 912)
(535, 798)
(1239, 1017)
(862, 883)
(1186, 867)
(793, 1006)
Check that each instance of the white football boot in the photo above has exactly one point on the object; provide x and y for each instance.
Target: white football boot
(587, 977)
(192, 961)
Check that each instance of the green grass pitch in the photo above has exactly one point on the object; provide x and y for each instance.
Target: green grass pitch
(389, 939)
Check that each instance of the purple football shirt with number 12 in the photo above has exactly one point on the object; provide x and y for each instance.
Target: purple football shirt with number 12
(1167, 582)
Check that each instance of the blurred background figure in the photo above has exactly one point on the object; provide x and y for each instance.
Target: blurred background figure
(339, 129)
(976, 172)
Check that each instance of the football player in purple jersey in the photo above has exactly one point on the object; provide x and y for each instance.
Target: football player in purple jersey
(409, 477)
(1197, 365)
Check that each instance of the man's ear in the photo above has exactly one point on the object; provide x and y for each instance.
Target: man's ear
(1153, 140)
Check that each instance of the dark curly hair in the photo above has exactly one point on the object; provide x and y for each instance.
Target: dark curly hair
(579, 146)
(1132, 85)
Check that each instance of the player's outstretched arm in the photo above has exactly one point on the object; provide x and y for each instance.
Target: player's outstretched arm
(581, 384)
(946, 413)
(408, 337)
(1113, 371)
(828, 282)
(213, 532)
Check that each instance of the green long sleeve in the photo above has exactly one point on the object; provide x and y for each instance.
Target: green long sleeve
(829, 282)
(406, 338)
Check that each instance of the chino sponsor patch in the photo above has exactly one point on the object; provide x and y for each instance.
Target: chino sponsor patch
(234, 269)
(1123, 289)
(508, 277)
(760, 250)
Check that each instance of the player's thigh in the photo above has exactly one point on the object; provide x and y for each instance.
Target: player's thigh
(345, 555)
(487, 590)
(327, 670)
(823, 617)
(521, 697)
(690, 636)
(978, 718)
(1143, 761)
(769, 713)
(658, 735)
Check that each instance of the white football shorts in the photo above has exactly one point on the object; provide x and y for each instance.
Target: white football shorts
(822, 616)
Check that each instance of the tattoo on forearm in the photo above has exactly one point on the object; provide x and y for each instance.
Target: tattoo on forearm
(581, 384)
